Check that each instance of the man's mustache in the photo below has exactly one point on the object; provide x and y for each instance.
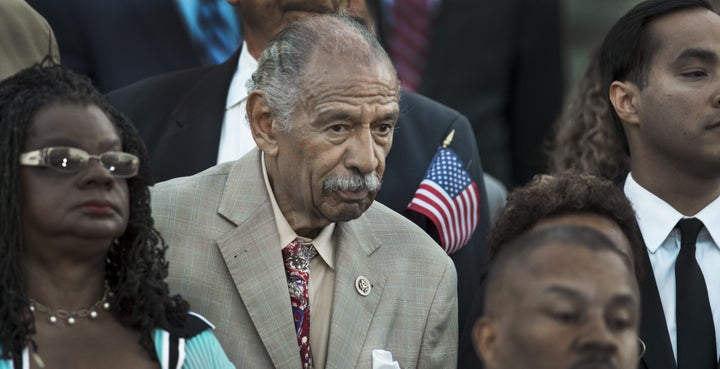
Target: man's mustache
(354, 182)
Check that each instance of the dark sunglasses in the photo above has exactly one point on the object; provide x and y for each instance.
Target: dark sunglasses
(72, 160)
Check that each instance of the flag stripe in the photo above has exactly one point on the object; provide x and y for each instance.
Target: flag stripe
(431, 205)
(429, 211)
(436, 196)
(451, 213)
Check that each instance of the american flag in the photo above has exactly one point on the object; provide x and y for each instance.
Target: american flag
(450, 198)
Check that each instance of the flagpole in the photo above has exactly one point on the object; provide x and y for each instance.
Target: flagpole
(448, 139)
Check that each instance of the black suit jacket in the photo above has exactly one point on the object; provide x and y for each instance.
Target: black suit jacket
(119, 42)
(179, 116)
(653, 328)
(499, 64)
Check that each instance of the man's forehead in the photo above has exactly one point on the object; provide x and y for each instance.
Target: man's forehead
(571, 267)
(689, 28)
(349, 69)
(569, 259)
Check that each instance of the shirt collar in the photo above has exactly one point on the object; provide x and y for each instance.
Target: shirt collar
(657, 218)
(710, 216)
(323, 241)
(247, 65)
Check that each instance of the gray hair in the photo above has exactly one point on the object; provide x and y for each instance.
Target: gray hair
(280, 73)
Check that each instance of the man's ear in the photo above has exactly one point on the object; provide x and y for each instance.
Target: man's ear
(261, 122)
(485, 340)
(624, 99)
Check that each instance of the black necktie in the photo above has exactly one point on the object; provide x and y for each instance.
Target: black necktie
(695, 329)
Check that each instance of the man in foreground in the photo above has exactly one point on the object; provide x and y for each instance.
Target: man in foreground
(291, 228)
(560, 297)
(193, 119)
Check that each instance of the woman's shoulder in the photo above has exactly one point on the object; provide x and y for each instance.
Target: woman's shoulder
(193, 325)
(192, 345)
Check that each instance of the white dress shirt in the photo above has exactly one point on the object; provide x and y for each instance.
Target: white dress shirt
(657, 221)
(235, 138)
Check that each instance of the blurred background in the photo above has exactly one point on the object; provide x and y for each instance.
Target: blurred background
(585, 23)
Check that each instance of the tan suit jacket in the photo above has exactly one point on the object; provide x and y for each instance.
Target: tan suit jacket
(224, 258)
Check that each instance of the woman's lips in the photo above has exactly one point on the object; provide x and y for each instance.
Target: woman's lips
(98, 207)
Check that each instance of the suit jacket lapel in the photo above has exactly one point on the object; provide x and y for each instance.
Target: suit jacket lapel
(252, 254)
(653, 328)
(352, 313)
(197, 119)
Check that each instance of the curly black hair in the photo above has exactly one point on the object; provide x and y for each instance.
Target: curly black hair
(135, 268)
(584, 139)
(549, 196)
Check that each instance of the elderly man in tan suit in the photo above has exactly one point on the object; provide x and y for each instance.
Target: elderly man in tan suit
(25, 37)
(284, 248)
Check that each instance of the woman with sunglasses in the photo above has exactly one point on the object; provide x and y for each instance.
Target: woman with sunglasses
(81, 267)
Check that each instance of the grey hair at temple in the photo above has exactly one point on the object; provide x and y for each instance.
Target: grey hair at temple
(282, 66)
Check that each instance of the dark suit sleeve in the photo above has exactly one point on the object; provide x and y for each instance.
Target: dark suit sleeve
(536, 85)
(116, 43)
(63, 17)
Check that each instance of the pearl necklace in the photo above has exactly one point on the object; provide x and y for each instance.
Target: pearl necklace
(69, 316)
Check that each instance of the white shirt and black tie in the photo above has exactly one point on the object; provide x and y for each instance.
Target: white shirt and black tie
(658, 224)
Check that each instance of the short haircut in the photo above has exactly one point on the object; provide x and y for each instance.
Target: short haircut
(514, 255)
(282, 66)
(546, 197)
(628, 48)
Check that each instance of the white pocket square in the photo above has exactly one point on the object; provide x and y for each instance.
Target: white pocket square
(382, 359)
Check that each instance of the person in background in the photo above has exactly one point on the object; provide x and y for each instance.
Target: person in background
(285, 248)
(496, 62)
(25, 38)
(561, 296)
(81, 266)
(116, 43)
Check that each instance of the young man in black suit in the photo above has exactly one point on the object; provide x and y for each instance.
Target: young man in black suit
(185, 118)
(661, 69)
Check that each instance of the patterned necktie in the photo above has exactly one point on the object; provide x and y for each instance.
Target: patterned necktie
(695, 329)
(215, 34)
(297, 258)
(410, 33)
